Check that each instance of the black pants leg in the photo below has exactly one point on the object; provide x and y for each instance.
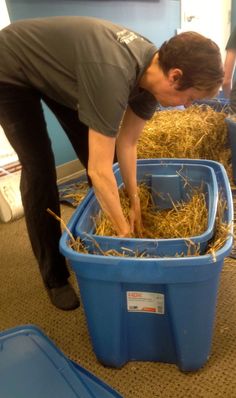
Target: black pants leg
(76, 131)
(22, 119)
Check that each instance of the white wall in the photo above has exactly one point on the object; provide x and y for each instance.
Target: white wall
(4, 17)
(211, 18)
(7, 153)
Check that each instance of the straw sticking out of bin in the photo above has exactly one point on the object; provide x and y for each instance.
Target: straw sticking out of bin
(223, 230)
(222, 233)
(62, 223)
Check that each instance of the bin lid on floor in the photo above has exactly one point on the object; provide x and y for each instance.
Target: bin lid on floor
(32, 366)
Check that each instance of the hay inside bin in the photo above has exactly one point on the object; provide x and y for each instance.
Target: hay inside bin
(185, 219)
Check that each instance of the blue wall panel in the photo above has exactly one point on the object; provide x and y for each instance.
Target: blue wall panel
(157, 20)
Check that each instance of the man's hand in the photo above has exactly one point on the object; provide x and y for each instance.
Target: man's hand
(135, 217)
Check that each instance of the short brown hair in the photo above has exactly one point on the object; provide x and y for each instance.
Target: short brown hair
(197, 56)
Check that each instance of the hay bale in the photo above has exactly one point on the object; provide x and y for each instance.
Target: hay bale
(197, 132)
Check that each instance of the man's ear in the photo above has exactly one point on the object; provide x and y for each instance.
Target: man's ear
(174, 76)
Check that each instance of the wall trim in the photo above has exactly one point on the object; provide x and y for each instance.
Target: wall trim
(69, 170)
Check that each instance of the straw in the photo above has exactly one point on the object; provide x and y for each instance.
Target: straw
(75, 192)
(183, 220)
(198, 132)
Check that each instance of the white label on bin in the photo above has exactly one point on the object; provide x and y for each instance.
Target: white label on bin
(145, 302)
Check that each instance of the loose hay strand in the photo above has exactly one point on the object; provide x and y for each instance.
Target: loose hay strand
(62, 223)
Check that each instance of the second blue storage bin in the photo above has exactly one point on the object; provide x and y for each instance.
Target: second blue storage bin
(32, 366)
(168, 182)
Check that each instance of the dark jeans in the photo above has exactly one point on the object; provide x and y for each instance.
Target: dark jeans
(22, 118)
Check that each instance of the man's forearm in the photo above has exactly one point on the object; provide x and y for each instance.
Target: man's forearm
(107, 194)
(126, 147)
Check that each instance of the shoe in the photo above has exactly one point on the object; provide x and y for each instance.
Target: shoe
(64, 297)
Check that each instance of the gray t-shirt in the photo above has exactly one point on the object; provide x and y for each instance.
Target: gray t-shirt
(87, 64)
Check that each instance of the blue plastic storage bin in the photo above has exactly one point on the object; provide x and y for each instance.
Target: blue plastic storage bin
(218, 104)
(151, 309)
(31, 366)
(168, 180)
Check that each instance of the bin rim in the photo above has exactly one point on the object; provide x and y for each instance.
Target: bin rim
(196, 239)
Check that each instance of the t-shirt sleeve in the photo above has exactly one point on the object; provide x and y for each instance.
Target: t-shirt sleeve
(103, 92)
(143, 104)
(231, 44)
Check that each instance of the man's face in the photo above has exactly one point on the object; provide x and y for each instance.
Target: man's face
(174, 97)
(166, 92)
